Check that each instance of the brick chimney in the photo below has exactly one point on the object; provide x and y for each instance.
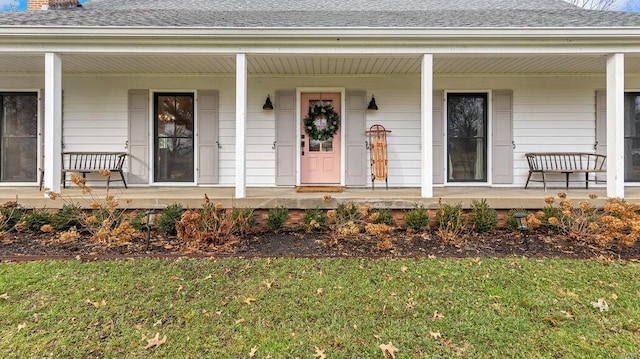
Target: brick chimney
(50, 4)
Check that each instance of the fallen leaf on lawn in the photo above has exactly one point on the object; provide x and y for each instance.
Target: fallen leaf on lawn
(319, 291)
(601, 304)
(404, 269)
(411, 305)
(319, 354)
(155, 341)
(249, 300)
(568, 314)
(173, 278)
(614, 296)
(4, 296)
(437, 315)
(435, 335)
(180, 288)
(377, 336)
(253, 351)
(22, 326)
(99, 304)
(159, 322)
(241, 320)
(388, 348)
(268, 284)
(218, 312)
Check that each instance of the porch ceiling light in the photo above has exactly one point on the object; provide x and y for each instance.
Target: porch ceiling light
(372, 104)
(267, 104)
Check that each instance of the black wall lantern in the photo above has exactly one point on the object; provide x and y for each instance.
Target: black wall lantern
(267, 104)
(372, 104)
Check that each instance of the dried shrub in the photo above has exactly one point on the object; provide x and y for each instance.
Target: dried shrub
(385, 245)
(483, 218)
(276, 218)
(105, 222)
(417, 218)
(213, 225)
(451, 223)
(348, 219)
(620, 221)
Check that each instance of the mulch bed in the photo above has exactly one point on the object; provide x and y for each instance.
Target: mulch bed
(504, 242)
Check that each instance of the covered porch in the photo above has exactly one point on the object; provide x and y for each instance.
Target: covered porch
(265, 198)
(555, 98)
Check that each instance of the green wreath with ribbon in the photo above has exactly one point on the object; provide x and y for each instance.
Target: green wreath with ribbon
(318, 113)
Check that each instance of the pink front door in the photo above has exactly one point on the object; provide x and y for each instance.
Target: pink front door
(319, 160)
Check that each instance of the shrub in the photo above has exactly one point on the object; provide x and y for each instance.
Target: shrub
(483, 218)
(314, 219)
(243, 220)
(510, 220)
(417, 218)
(9, 217)
(167, 219)
(66, 218)
(139, 221)
(383, 216)
(451, 222)
(276, 218)
(35, 219)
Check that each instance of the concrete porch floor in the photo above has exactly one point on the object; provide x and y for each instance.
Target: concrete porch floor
(257, 198)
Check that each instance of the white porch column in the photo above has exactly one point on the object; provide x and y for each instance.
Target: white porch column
(52, 121)
(241, 125)
(615, 125)
(426, 126)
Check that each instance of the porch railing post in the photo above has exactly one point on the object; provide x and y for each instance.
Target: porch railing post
(615, 125)
(52, 122)
(241, 125)
(426, 126)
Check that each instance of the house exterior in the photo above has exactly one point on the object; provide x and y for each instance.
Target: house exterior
(466, 88)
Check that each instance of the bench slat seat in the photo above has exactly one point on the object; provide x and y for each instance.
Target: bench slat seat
(564, 163)
(88, 162)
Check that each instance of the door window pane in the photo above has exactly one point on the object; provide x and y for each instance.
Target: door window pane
(174, 149)
(320, 123)
(19, 156)
(632, 137)
(466, 137)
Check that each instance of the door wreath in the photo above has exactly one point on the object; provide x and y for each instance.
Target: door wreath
(318, 113)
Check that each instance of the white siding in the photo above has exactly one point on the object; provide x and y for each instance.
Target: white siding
(550, 113)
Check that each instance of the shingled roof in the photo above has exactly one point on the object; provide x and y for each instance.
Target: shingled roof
(326, 13)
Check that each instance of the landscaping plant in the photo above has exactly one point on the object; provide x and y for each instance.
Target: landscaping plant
(167, 219)
(277, 218)
(416, 219)
(450, 222)
(483, 218)
(314, 219)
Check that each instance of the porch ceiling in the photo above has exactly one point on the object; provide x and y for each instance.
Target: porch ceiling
(315, 65)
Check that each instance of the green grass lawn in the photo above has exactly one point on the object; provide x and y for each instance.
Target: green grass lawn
(344, 308)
